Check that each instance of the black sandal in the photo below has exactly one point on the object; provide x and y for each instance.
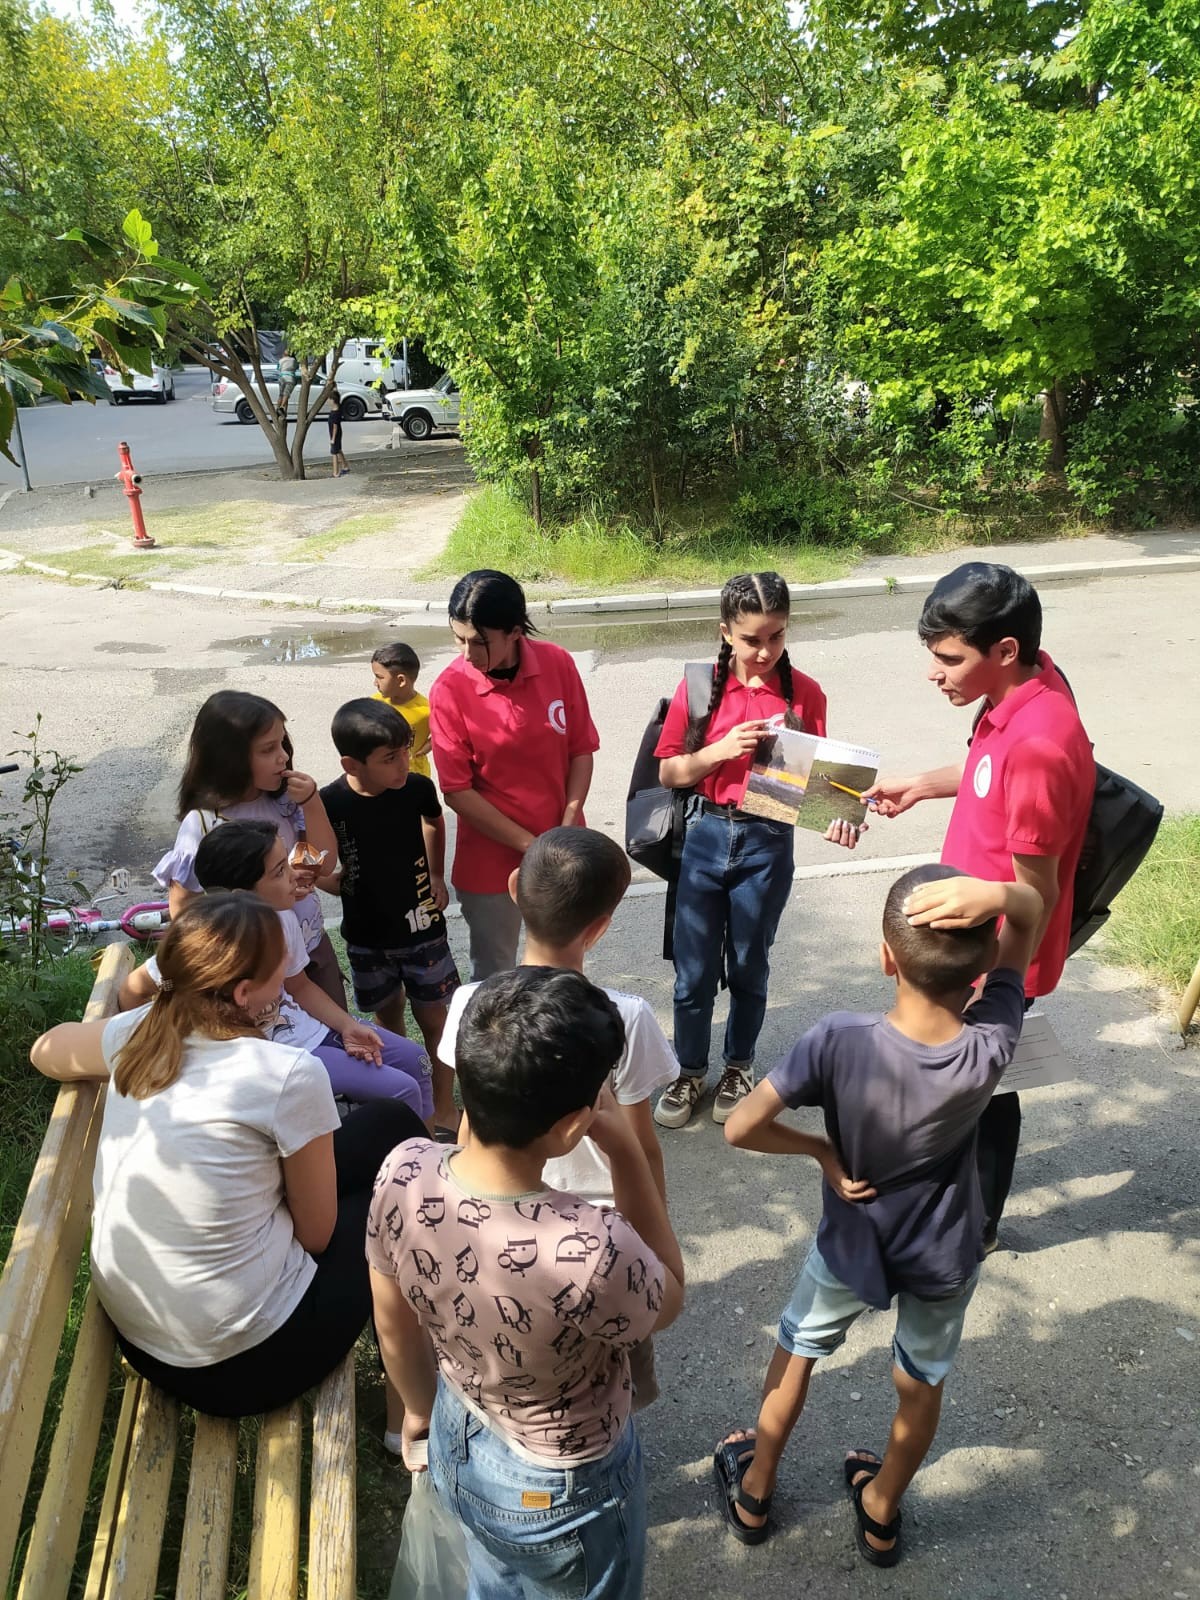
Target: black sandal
(730, 1465)
(864, 1522)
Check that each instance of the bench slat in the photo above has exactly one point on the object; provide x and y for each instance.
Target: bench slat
(275, 1537)
(331, 1525)
(142, 1509)
(208, 1520)
(39, 1274)
(50, 1556)
(114, 1483)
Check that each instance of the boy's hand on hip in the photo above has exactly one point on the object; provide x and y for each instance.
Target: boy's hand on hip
(845, 1187)
(363, 1043)
(439, 893)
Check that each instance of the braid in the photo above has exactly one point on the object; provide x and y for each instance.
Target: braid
(791, 720)
(698, 730)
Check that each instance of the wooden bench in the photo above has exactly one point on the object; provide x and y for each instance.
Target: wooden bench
(35, 1296)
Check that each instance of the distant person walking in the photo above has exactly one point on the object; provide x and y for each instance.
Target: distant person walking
(334, 418)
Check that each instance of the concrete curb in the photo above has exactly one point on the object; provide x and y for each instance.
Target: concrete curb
(614, 604)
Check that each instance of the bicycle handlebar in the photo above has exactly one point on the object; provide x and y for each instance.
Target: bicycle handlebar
(10, 766)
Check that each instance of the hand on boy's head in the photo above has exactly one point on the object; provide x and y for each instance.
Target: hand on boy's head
(363, 1043)
(954, 903)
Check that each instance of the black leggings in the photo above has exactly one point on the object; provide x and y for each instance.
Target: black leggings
(336, 1305)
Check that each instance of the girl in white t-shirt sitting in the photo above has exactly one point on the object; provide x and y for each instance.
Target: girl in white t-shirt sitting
(230, 1206)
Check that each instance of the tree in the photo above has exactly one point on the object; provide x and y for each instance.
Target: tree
(122, 302)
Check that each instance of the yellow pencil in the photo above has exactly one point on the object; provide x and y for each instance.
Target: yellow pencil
(854, 793)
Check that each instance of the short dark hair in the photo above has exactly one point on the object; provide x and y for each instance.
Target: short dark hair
(360, 727)
(569, 878)
(489, 599)
(533, 1045)
(936, 961)
(983, 603)
(398, 657)
(234, 855)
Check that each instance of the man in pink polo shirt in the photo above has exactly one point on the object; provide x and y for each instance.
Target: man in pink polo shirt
(513, 742)
(1021, 799)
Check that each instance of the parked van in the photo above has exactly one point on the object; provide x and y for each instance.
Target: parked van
(367, 361)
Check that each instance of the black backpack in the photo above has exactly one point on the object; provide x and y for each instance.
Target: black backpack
(654, 814)
(1120, 830)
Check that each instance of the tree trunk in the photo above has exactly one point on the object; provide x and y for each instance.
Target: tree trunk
(1053, 430)
(535, 479)
(656, 498)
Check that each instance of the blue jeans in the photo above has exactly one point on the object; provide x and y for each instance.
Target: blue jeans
(734, 881)
(588, 1543)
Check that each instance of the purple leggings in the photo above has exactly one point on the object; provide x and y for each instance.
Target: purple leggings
(405, 1075)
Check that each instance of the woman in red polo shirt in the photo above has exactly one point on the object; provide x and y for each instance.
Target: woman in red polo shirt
(736, 871)
(513, 740)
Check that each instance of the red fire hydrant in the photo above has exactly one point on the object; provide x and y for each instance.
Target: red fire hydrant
(131, 482)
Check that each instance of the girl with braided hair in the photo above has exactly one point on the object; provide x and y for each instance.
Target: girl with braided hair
(736, 871)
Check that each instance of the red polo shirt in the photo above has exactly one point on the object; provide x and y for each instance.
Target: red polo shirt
(739, 703)
(513, 743)
(1027, 790)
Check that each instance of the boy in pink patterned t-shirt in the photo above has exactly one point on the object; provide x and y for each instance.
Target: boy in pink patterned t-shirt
(518, 1304)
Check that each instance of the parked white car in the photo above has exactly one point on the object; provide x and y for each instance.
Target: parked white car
(159, 386)
(358, 399)
(420, 411)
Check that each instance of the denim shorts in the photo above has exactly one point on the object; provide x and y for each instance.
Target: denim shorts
(571, 1533)
(822, 1310)
(426, 970)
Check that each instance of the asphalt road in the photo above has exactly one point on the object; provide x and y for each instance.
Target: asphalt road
(78, 443)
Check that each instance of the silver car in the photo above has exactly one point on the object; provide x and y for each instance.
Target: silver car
(358, 400)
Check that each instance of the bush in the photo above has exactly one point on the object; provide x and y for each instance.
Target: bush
(796, 508)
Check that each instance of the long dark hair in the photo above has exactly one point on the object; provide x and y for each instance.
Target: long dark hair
(749, 594)
(218, 759)
(489, 599)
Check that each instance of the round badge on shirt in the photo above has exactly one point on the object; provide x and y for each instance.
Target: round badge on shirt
(556, 714)
(982, 779)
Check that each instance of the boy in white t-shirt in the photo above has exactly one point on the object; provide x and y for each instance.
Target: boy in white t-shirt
(569, 884)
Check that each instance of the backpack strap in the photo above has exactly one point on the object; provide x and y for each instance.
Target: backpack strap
(698, 676)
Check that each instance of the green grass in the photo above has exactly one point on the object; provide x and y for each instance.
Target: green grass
(1155, 925)
(362, 526)
(495, 531)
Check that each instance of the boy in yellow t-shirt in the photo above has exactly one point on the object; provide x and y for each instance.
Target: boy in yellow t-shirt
(394, 668)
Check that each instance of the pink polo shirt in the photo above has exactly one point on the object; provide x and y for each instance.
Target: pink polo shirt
(1027, 790)
(513, 743)
(739, 703)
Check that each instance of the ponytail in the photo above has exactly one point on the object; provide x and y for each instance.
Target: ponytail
(214, 944)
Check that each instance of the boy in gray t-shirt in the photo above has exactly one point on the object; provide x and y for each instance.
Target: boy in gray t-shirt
(901, 1093)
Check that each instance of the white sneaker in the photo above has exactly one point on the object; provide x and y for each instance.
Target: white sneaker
(678, 1101)
(736, 1083)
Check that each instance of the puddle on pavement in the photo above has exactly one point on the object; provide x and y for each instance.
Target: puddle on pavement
(613, 637)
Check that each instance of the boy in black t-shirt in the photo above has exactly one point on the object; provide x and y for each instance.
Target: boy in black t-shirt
(392, 849)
